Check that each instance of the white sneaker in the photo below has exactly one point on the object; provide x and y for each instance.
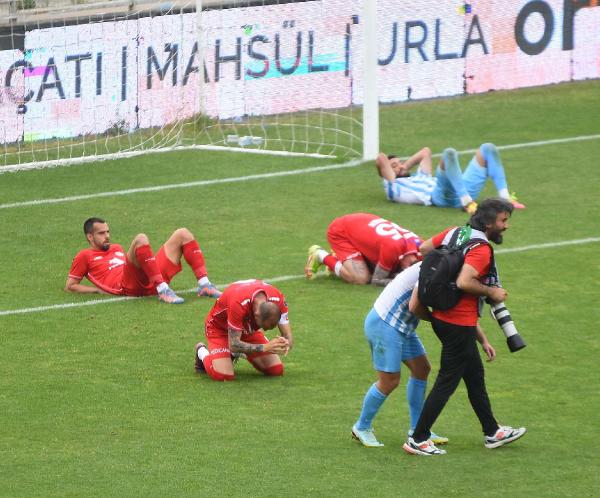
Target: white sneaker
(504, 435)
(426, 448)
(366, 437)
(433, 437)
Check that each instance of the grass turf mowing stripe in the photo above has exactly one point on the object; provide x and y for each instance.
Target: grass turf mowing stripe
(282, 278)
(315, 169)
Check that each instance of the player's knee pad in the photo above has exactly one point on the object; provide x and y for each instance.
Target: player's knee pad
(274, 371)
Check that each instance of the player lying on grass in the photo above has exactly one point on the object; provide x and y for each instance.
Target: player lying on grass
(137, 272)
(450, 187)
(365, 249)
(235, 325)
(390, 331)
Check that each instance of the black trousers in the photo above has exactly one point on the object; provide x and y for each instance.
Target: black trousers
(460, 360)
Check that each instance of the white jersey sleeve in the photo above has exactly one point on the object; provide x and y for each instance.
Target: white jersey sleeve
(414, 189)
(392, 303)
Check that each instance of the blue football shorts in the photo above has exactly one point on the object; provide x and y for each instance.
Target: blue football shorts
(389, 348)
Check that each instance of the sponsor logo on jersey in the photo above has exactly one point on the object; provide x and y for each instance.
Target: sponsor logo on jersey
(115, 263)
(97, 258)
(220, 350)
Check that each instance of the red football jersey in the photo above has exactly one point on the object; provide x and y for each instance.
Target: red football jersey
(380, 241)
(465, 312)
(103, 268)
(234, 308)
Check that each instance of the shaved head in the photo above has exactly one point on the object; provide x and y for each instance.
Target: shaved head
(269, 314)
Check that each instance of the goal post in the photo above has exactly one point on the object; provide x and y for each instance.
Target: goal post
(106, 81)
(370, 114)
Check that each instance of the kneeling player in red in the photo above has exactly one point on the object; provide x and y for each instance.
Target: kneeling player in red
(235, 325)
(365, 248)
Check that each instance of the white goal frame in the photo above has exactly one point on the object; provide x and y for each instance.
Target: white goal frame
(370, 108)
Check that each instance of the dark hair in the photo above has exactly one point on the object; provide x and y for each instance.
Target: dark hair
(88, 225)
(488, 210)
(392, 156)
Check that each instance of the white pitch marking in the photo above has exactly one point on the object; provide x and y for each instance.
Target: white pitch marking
(282, 278)
(202, 183)
(549, 245)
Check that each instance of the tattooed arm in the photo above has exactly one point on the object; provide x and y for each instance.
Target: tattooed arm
(278, 345)
(380, 276)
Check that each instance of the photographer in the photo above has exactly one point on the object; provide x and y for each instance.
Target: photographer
(458, 330)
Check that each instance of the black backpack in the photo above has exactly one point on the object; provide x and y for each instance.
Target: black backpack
(437, 277)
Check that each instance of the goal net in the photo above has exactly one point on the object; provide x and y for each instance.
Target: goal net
(124, 78)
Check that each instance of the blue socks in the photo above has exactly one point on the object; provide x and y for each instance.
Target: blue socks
(371, 405)
(415, 395)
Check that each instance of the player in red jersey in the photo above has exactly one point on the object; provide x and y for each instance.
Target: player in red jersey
(365, 249)
(235, 326)
(137, 272)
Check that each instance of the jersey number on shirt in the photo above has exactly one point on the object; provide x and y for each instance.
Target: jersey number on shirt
(386, 228)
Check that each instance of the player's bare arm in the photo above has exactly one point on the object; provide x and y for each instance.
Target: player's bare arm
(380, 276)
(426, 247)
(416, 307)
(236, 345)
(278, 345)
(468, 281)
(286, 331)
(75, 286)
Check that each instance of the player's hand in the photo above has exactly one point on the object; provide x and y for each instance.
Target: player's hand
(278, 345)
(497, 294)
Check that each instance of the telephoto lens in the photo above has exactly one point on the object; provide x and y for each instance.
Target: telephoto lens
(502, 316)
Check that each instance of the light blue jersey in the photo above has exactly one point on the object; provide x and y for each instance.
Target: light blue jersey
(450, 186)
(414, 189)
(392, 303)
(390, 326)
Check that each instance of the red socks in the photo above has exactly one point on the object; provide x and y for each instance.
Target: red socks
(274, 371)
(194, 257)
(147, 263)
(330, 261)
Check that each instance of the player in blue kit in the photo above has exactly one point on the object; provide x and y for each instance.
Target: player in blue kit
(390, 331)
(450, 187)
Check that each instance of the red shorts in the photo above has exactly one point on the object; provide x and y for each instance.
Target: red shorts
(340, 243)
(135, 282)
(218, 343)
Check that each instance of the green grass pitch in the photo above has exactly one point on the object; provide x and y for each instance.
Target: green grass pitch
(103, 401)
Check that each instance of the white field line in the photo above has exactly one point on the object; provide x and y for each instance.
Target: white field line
(203, 183)
(14, 168)
(282, 278)
(200, 183)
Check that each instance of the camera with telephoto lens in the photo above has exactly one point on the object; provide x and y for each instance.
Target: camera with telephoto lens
(501, 314)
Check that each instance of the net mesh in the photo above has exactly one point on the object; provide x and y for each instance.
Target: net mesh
(261, 76)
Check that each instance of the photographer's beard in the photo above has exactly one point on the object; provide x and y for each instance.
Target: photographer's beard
(496, 236)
